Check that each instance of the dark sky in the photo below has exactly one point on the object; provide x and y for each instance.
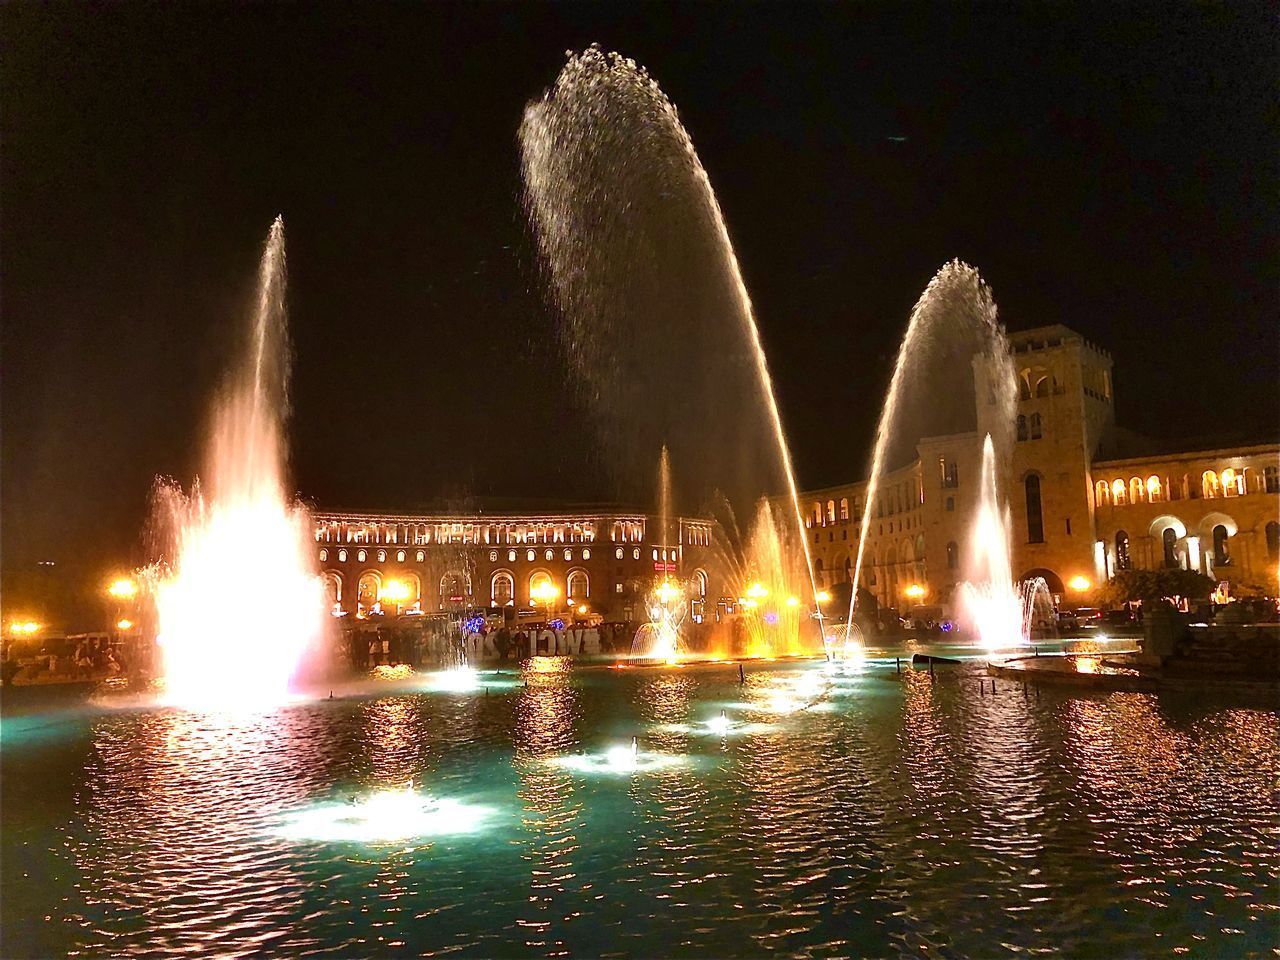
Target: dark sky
(1111, 167)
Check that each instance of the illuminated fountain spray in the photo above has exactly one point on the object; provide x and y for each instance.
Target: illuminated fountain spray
(237, 600)
(953, 322)
(991, 604)
(656, 313)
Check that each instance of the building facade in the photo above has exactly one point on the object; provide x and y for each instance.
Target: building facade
(558, 564)
(1081, 509)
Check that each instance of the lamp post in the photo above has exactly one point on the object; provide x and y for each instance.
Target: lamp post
(545, 592)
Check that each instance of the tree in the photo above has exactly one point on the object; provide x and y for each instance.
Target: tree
(1153, 585)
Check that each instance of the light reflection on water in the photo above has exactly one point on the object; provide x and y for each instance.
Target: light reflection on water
(912, 816)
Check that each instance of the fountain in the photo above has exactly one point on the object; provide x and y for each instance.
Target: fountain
(953, 321)
(659, 640)
(656, 316)
(236, 598)
(991, 604)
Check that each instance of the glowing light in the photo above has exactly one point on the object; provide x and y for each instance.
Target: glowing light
(461, 679)
(124, 624)
(123, 588)
(385, 816)
(397, 591)
(822, 596)
(618, 760)
(915, 591)
(386, 671)
(27, 627)
(667, 591)
(720, 724)
(793, 601)
(757, 591)
(1080, 584)
(582, 608)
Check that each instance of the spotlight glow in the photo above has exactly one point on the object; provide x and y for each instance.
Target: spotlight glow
(387, 815)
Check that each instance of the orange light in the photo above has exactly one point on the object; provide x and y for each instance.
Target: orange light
(123, 625)
(1080, 584)
(822, 596)
(122, 588)
(914, 591)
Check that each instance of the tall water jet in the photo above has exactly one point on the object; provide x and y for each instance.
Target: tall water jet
(991, 604)
(237, 600)
(656, 314)
(952, 330)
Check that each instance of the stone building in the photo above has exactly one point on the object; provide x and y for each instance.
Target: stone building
(591, 561)
(1083, 503)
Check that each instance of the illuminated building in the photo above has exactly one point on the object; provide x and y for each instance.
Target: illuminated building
(603, 561)
(1086, 497)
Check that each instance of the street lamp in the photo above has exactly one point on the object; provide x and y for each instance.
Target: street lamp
(544, 592)
(1080, 584)
(915, 591)
(123, 588)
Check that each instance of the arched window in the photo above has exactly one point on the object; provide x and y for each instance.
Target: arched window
(844, 508)
(1042, 386)
(831, 511)
(324, 555)
(700, 580)
(538, 582)
(1137, 492)
(382, 556)
(953, 555)
(1024, 385)
(586, 553)
(1037, 428)
(1209, 484)
(1273, 540)
(1122, 550)
(1035, 518)
(333, 589)
(1155, 491)
(1101, 494)
(1271, 479)
(579, 585)
(342, 556)
(635, 553)
(1119, 492)
(502, 589)
(1022, 427)
(1230, 486)
(1221, 551)
(1169, 539)
(368, 588)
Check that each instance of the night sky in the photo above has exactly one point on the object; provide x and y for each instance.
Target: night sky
(1110, 167)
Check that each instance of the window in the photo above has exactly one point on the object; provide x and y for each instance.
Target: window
(953, 555)
(342, 556)
(1137, 492)
(361, 556)
(579, 585)
(502, 589)
(950, 473)
(531, 555)
(844, 534)
(831, 511)
(422, 555)
(1221, 552)
(1101, 494)
(1209, 484)
(549, 554)
(1037, 430)
(655, 555)
(1271, 479)
(617, 588)
(1273, 540)
(844, 508)
(1035, 518)
(1122, 550)
(635, 554)
(1154, 489)
(951, 504)
(324, 555)
(586, 554)
(382, 556)
(1119, 492)
(568, 554)
(618, 553)
(1169, 539)
(400, 556)
(1231, 485)
(1022, 427)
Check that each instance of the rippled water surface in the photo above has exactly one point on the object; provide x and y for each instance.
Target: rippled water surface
(852, 811)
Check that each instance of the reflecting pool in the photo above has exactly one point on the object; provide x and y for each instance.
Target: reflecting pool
(879, 813)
